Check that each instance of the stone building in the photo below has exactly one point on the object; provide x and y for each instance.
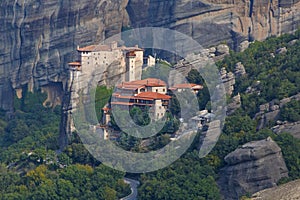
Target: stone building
(148, 93)
(92, 57)
(105, 64)
(186, 87)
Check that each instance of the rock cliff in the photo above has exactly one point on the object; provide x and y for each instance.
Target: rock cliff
(269, 112)
(38, 38)
(253, 167)
(288, 191)
(213, 21)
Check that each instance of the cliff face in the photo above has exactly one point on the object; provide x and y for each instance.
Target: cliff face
(253, 167)
(288, 191)
(213, 21)
(38, 37)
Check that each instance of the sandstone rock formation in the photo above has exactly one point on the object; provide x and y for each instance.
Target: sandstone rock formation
(253, 167)
(292, 128)
(288, 191)
(239, 70)
(270, 111)
(213, 21)
(228, 81)
(234, 104)
(38, 38)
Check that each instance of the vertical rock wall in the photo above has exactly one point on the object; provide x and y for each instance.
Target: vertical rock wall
(38, 37)
(213, 21)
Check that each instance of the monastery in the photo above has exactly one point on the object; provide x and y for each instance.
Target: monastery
(108, 64)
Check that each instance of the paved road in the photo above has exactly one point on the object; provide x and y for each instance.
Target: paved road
(133, 185)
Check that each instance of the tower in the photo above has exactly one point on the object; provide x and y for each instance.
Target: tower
(130, 66)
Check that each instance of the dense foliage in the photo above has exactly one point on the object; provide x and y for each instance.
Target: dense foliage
(73, 182)
(271, 76)
(102, 96)
(291, 111)
(187, 178)
(33, 167)
(272, 72)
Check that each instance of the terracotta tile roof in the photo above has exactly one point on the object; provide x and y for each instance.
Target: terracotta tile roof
(186, 86)
(153, 95)
(95, 48)
(103, 47)
(106, 109)
(131, 48)
(150, 82)
(130, 54)
(75, 63)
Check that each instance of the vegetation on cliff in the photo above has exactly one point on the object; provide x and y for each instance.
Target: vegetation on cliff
(32, 168)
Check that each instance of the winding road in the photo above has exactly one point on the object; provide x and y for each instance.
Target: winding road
(133, 185)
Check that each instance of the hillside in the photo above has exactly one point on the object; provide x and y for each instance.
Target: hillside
(32, 167)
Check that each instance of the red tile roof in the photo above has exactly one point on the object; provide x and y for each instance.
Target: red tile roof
(136, 48)
(153, 95)
(150, 82)
(74, 63)
(103, 47)
(130, 54)
(95, 48)
(186, 86)
(106, 109)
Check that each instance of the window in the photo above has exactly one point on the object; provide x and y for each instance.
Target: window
(159, 107)
(156, 90)
(164, 89)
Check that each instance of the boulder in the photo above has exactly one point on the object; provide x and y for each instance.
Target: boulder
(293, 42)
(243, 46)
(288, 191)
(281, 50)
(239, 70)
(222, 49)
(253, 167)
(292, 128)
